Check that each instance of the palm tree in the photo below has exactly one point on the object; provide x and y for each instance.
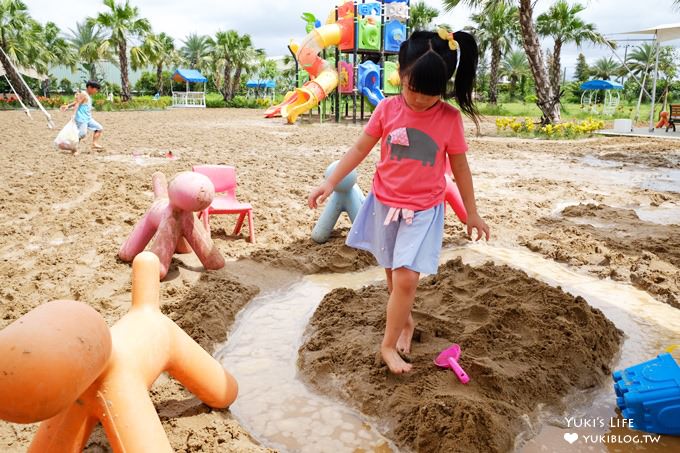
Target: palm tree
(91, 46)
(159, 51)
(494, 29)
(196, 50)
(123, 24)
(515, 67)
(53, 50)
(640, 60)
(605, 68)
(16, 42)
(422, 16)
(548, 101)
(561, 22)
(243, 57)
(222, 51)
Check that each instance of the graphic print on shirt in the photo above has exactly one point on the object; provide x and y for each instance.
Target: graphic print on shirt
(409, 143)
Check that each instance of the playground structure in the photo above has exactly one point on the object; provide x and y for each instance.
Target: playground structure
(347, 197)
(648, 394)
(146, 343)
(188, 98)
(591, 96)
(365, 34)
(172, 221)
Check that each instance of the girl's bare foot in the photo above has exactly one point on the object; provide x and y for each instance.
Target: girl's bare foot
(404, 342)
(393, 360)
(97, 147)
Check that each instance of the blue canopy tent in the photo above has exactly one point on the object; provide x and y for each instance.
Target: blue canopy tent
(188, 98)
(591, 92)
(264, 85)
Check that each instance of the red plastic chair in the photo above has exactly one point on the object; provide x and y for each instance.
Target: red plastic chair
(225, 202)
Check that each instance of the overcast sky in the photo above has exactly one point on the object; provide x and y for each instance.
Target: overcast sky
(272, 23)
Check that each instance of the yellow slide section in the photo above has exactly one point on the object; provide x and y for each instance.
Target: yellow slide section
(324, 77)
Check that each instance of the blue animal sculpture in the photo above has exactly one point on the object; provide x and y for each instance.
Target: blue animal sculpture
(347, 197)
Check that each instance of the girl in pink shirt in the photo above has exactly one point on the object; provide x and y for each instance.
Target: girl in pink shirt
(402, 221)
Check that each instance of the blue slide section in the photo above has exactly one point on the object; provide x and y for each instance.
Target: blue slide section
(369, 82)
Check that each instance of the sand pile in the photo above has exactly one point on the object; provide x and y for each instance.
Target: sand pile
(614, 242)
(308, 257)
(524, 344)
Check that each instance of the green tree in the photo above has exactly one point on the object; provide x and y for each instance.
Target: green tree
(422, 16)
(53, 50)
(91, 47)
(196, 50)
(515, 67)
(244, 58)
(582, 72)
(561, 22)
(495, 29)
(547, 100)
(159, 51)
(605, 68)
(222, 49)
(17, 41)
(123, 24)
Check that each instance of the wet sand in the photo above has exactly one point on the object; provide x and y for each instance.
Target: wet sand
(63, 218)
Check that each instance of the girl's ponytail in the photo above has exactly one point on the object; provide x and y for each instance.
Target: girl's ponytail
(466, 73)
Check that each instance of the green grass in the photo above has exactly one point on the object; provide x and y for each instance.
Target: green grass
(570, 111)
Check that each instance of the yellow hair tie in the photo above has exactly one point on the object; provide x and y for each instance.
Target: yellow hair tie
(448, 36)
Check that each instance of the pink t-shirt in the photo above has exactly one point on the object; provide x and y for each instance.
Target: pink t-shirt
(413, 152)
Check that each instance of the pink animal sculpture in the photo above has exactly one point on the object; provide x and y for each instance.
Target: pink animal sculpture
(171, 220)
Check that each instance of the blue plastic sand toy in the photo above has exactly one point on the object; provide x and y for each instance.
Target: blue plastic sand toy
(648, 395)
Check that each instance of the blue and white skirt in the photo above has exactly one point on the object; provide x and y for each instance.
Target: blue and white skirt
(415, 246)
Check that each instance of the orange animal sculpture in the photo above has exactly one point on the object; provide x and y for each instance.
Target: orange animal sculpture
(145, 344)
(48, 358)
(663, 122)
(171, 220)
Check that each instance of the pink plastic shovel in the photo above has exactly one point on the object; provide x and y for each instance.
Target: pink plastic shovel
(448, 358)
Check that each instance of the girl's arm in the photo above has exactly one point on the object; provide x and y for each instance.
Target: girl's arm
(463, 177)
(349, 162)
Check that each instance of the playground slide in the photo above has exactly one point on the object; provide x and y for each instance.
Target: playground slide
(373, 94)
(275, 110)
(324, 76)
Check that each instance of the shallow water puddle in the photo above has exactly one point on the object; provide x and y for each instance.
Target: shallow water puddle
(273, 404)
(281, 412)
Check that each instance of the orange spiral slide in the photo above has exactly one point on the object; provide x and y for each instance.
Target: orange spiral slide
(324, 77)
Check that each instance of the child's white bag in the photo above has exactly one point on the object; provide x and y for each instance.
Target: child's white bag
(68, 137)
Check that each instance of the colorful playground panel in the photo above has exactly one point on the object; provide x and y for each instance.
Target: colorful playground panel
(648, 394)
(392, 81)
(395, 34)
(396, 10)
(346, 77)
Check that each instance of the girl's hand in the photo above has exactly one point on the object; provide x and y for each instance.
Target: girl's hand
(475, 222)
(63, 108)
(319, 195)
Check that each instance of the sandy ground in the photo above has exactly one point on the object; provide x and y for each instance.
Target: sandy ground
(63, 218)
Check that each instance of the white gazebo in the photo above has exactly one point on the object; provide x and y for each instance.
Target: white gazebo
(188, 98)
(661, 33)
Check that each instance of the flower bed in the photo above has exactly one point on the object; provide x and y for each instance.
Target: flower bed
(568, 130)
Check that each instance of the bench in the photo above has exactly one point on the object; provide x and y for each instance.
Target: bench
(674, 117)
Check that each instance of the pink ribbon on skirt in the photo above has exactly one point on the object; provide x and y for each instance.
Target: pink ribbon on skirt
(394, 213)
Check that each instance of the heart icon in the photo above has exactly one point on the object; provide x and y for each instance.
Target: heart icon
(571, 437)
